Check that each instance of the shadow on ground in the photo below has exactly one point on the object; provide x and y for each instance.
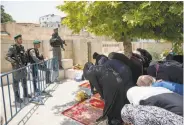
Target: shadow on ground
(24, 120)
(60, 108)
(70, 122)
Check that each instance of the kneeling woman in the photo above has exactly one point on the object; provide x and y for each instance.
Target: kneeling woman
(111, 87)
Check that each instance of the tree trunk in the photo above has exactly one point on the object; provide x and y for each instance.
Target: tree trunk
(127, 47)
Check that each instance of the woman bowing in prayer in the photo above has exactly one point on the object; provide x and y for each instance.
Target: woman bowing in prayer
(111, 87)
(149, 115)
(167, 70)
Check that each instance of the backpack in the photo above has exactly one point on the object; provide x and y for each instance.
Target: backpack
(29, 58)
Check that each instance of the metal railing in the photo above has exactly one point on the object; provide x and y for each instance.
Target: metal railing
(35, 79)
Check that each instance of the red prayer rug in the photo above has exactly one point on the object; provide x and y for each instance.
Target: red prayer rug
(96, 103)
(85, 85)
(86, 112)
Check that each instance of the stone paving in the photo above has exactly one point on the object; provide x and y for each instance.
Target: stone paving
(62, 97)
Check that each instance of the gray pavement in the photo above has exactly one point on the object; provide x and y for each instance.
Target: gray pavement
(62, 96)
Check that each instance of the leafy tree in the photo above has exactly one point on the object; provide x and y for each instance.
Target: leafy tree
(5, 17)
(126, 20)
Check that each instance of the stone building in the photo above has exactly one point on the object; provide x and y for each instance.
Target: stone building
(50, 20)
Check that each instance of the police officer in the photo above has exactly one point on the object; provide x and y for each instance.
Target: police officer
(57, 43)
(35, 57)
(18, 58)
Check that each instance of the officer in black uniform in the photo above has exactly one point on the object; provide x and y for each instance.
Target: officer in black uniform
(35, 57)
(18, 58)
(57, 43)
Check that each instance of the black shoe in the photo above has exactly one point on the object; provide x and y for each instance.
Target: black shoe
(115, 122)
(28, 96)
(18, 100)
(48, 81)
(60, 67)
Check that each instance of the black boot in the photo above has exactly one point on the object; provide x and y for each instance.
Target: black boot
(115, 122)
(26, 93)
(60, 67)
(17, 98)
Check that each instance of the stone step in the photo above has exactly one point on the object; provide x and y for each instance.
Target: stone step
(71, 73)
(61, 74)
(67, 63)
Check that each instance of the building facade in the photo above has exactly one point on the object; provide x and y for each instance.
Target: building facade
(50, 20)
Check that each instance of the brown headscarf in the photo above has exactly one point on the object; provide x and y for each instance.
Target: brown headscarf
(145, 80)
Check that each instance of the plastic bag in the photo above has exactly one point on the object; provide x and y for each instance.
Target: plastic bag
(78, 76)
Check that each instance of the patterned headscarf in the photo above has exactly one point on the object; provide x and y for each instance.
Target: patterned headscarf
(145, 80)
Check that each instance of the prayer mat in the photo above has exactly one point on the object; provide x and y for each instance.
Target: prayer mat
(85, 85)
(96, 103)
(84, 112)
(97, 96)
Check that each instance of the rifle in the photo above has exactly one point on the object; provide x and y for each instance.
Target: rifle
(17, 58)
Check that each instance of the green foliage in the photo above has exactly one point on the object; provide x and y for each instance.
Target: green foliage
(5, 17)
(164, 54)
(146, 20)
(178, 48)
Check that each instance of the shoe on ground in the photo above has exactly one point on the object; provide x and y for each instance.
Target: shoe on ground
(61, 68)
(18, 100)
(57, 80)
(48, 82)
(28, 96)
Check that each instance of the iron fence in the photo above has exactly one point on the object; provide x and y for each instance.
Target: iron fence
(35, 78)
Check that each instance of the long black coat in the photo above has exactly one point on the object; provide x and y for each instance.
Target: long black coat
(146, 54)
(172, 102)
(178, 58)
(134, 63)
(101, 59)
(167, 70)
(110, 86)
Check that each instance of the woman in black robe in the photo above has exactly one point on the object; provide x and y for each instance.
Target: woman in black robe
(178, 58)
(167, 70)
(147, 56)
(134, 63)
(111, 87)
(100, 58)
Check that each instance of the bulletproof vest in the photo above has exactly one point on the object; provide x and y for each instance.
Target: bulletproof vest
(36, 53)
(55, 40)
(20, 55)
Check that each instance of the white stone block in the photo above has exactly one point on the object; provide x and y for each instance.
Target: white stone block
(67, 63)
(71, 73)
(61, 74)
